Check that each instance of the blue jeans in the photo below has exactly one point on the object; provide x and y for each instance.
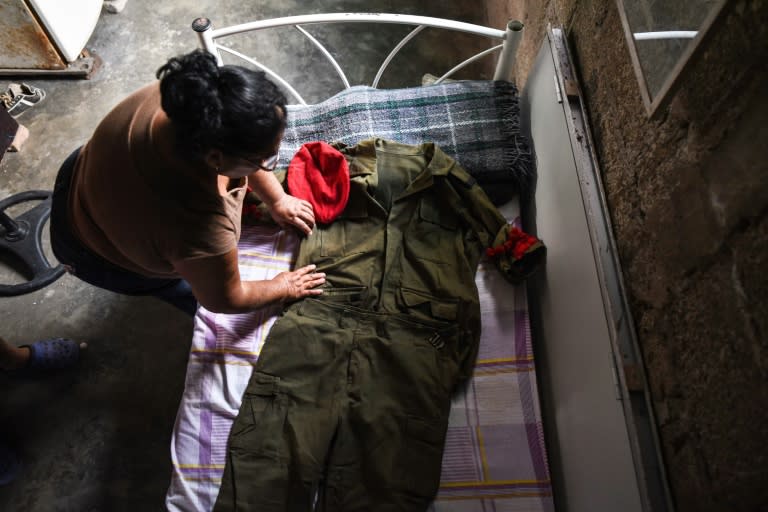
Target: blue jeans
(93, 269)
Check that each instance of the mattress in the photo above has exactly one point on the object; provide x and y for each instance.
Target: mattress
(494, 457)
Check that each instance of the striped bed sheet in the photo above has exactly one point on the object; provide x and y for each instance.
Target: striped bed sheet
(494, 458)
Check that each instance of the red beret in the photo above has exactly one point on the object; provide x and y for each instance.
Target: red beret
(319, 174)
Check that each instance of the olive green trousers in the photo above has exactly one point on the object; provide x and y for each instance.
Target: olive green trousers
(347, 410)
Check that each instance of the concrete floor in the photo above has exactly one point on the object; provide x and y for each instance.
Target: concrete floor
(97, 438)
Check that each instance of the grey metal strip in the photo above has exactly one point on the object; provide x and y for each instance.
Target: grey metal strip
(635, 393)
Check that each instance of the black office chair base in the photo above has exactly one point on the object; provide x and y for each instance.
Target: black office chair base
(22, 238)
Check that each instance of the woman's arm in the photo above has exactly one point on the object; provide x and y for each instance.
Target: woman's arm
(216, 283)
(285, 209)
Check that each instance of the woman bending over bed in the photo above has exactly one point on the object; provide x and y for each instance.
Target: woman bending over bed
(151, 204)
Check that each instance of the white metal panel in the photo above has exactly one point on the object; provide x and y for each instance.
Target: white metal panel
(590, 454)
(70, 23)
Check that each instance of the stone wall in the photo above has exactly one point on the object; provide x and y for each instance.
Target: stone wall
(688, 196)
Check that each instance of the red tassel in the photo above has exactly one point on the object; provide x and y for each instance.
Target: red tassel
(518, 242)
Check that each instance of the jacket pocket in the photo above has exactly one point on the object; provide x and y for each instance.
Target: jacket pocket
(434, 212)
(349, 234)
(433, 239)
(343, 295)
(429, 307)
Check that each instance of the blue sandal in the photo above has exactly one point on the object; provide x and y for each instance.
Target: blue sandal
(9, 464)
(53, 354)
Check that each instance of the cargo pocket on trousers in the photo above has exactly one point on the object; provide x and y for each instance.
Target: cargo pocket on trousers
(422, 455)
(258, 428)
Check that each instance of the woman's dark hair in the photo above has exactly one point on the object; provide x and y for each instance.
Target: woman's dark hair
(230, 108)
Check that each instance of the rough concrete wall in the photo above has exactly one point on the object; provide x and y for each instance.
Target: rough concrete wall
(688, 197)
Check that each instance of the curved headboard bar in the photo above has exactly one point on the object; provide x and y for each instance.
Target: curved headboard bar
(402, 19)
(509, 39)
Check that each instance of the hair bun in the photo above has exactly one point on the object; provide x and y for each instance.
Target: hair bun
(231, 108)
(189, 88)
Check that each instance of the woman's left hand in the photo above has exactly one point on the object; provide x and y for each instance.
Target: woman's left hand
(291, 211)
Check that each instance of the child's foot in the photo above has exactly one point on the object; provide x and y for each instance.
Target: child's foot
(22, 134)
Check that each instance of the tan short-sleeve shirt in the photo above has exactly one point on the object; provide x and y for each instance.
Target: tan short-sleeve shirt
(139, 203)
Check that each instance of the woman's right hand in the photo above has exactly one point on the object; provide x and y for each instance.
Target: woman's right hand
(292, 211)
(300, 283)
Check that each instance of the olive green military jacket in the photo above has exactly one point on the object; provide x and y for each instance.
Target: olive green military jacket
(410, 239)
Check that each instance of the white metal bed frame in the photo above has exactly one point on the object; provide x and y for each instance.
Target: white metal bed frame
(510, 39)
(618, 396)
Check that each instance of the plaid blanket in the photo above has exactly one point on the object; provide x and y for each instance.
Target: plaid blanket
(474, 122)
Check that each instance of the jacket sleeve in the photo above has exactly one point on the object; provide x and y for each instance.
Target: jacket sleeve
(515, 253)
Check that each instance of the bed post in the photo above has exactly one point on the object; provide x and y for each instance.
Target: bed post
(203, 27)
(506, 60)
